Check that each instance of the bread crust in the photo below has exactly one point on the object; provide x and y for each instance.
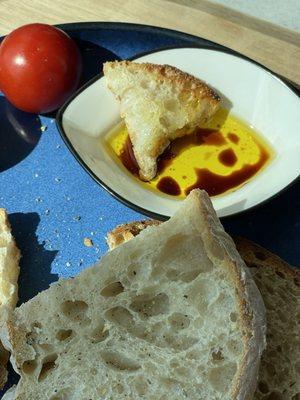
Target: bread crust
(251, 306)
(15, 255)
(164, 72)
(9, 260)
(123, 233)
(251, 251)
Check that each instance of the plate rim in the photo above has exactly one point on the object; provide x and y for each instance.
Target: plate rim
(208, 46)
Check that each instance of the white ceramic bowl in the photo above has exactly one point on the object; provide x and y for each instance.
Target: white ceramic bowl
(256, 95)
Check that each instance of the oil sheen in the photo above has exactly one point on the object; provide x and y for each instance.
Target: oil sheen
(219, 157)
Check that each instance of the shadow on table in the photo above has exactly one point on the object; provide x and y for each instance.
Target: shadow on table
(20, 132)
(93, 58)
(35, 264)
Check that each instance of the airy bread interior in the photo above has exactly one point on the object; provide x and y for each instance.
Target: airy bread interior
(158, 103)
(171, 314)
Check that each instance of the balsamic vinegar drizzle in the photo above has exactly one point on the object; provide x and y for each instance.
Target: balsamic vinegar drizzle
(216, 184)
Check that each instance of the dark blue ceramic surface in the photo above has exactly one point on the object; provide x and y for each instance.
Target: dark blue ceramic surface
(54, 204)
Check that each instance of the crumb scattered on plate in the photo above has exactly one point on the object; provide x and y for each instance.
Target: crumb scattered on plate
(88, 242)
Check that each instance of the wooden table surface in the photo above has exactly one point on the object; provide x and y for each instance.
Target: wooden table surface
(275, 47)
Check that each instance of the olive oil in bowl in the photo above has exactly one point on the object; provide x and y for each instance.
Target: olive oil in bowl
(219, 158)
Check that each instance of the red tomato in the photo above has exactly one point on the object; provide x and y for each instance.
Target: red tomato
(40, 67)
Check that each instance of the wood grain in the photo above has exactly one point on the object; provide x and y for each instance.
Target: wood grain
(280, 53)
(244, 20)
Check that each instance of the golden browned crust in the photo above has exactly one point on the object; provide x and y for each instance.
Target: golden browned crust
(123, 233)
(183, 80)
(257, 257)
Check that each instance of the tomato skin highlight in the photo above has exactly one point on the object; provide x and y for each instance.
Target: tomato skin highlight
(40, 67)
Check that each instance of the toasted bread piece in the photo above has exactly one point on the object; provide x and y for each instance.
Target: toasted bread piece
(158, 103)
(171, 314)
(279, 284)
(9, 272)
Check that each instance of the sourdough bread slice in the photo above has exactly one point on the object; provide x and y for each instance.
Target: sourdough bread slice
(279, 284)
(9, 272)
(158, 103)
(171, 314)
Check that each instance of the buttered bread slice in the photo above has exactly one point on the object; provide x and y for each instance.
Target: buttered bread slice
(159, 103)
(171, 314)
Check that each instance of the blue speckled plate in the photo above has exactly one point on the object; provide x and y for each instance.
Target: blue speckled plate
(54, 204)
